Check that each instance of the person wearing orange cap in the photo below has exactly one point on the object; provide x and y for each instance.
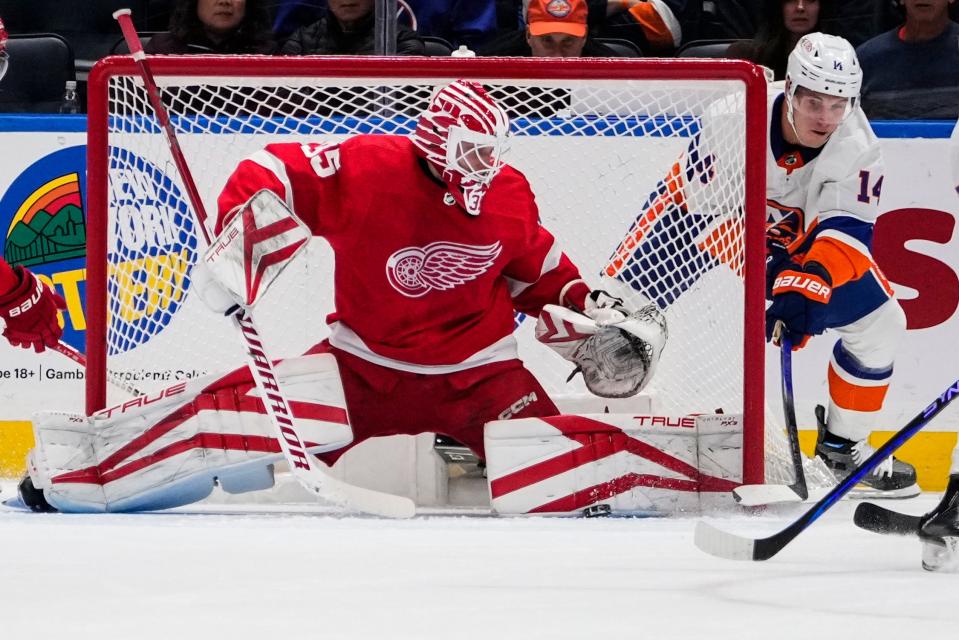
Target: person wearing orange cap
(554, 29)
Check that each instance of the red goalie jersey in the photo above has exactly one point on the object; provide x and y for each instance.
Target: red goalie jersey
(419, 284)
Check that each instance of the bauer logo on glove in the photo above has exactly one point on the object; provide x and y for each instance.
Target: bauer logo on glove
(617, 359)
(810, 286)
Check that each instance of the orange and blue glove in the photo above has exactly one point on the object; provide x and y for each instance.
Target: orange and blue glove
(800, 296)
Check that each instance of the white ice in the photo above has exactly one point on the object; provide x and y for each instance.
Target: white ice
(295, 572)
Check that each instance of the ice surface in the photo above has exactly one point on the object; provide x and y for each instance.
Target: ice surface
(218, 572)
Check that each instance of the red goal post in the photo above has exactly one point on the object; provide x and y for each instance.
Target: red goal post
(611, 148)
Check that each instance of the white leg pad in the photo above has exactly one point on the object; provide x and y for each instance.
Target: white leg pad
(168, 449)
(629, 463)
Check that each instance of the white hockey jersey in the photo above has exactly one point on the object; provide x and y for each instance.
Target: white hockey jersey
(832, 192)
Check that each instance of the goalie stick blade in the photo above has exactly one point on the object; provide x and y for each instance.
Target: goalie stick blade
(872, 517)
(377, 503)
(758, 495)
(355, 498)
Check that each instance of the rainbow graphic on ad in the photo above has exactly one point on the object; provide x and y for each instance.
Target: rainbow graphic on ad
(49, 225)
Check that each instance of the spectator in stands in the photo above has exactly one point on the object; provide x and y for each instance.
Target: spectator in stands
(348, 28)
(509, 15)
(461, 22)
(730, 19)
(784, 22)
(290, 15)
(859, 20)
(652, 25)
(215, 26)
(913, 71)
(554, 29)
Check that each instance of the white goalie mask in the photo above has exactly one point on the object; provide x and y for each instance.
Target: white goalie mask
(827, 65)
(463, 133)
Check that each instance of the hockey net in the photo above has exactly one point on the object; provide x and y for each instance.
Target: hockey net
(616, 153)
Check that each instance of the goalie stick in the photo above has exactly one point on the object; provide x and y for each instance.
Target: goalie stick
(735, 547)
(307, 469)
(751, 495)
(65, 349)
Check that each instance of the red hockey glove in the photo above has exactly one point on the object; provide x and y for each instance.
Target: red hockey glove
(800, 300)
(30, 313)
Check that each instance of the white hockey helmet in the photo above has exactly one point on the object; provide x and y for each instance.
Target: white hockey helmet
(4, 58)
(825, 64)
(463, 134)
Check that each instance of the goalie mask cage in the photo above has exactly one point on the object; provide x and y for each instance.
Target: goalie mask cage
(650, 173)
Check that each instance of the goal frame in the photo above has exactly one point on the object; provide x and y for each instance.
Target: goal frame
(474, 68)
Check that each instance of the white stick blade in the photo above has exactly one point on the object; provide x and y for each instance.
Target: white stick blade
(369, 501)
(722, 544)
(756, 495)
(320, 481)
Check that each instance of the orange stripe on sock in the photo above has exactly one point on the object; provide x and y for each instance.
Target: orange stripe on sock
(854, 397)
(673, 183)
(724, 243)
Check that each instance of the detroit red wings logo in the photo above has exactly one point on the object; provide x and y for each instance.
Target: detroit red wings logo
(415, 271)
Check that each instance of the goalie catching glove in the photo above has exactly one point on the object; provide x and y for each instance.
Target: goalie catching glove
(615, 349)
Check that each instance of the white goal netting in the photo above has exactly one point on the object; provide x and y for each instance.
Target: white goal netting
(641, 177)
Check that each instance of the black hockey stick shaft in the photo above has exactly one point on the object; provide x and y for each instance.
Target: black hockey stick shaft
(789, 411)
(766, 548)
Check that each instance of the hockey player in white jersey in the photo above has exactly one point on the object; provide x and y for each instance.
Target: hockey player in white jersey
(824, 181)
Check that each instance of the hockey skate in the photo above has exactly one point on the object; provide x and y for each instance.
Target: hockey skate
(891, 479)
(32, 498)
(939, 531)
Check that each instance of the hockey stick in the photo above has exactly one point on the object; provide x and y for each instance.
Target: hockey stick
(735, 547)
(751, 495)
(307, 469)
(65, 349)
(872, 517)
